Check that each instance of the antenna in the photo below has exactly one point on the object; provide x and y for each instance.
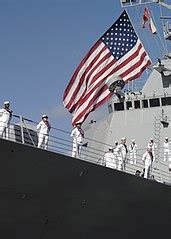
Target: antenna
(130, 3)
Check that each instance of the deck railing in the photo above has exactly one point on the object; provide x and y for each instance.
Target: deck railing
(24, 131)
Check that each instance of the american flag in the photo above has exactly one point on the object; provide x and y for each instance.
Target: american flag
(119, 52)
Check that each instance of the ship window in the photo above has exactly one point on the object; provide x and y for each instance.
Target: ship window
(145, 103)
(128, 105)
(166, 101)
(110, 108)
(119, 106)
(154, 102)
(137, 104)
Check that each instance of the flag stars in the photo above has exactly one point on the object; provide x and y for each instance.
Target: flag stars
(120, 38)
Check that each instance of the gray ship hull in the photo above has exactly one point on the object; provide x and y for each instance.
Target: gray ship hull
(48, 195)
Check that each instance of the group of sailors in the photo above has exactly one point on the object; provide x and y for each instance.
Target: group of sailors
(43, 126)
(118, 156)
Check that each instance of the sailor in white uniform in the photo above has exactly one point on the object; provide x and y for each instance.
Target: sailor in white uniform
(5, 118)
(78, 135)
(167, 150)
(133, 152)
(109, 159)
(148, 160)
(43, 128)
(122, 154)
(152, 145)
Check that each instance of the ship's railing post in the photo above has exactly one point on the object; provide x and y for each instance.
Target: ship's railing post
(22, 130)
(28, 132)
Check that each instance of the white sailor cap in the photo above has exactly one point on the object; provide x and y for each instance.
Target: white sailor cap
(151, 139)
(110, 148)
(166, 137)
(123, 138)
(44, 116)
(6, 102)
(116, 142)
(133, 140)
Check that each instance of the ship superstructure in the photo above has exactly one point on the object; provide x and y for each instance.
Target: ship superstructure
(139, 115)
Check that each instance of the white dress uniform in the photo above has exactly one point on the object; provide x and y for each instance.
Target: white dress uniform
(78, 135)
(43, 136)
(166, 147)
(148, 159)
(5, 117)
(109, 160)
(133, 152)
(122, 153)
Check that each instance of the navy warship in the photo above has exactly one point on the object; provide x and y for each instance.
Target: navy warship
(47, 194)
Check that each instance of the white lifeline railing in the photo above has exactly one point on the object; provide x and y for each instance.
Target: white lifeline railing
(24, 131)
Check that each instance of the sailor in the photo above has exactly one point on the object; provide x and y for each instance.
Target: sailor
(109, 159)
(166, 150)
(78, 135)
(148, 159)
(133, 152)
(5, 118)
(122, 154)
(152, 145)
(43, 128)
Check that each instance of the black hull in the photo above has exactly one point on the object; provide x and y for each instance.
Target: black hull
(44, 195)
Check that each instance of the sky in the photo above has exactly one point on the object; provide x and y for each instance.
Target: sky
(41, 44)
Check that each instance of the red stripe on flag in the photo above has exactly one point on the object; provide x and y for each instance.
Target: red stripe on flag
(79, 67)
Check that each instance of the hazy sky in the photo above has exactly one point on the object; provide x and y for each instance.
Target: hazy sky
(41, 44)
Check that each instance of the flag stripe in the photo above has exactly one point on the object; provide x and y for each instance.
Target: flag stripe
(90, 55)
(81, 89)
(85, 111)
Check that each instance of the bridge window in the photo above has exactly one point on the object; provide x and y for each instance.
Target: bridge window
(119, 106)
(166, 101)
(154, 102)
(145, 103)
(128, 105)
(137, 104)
